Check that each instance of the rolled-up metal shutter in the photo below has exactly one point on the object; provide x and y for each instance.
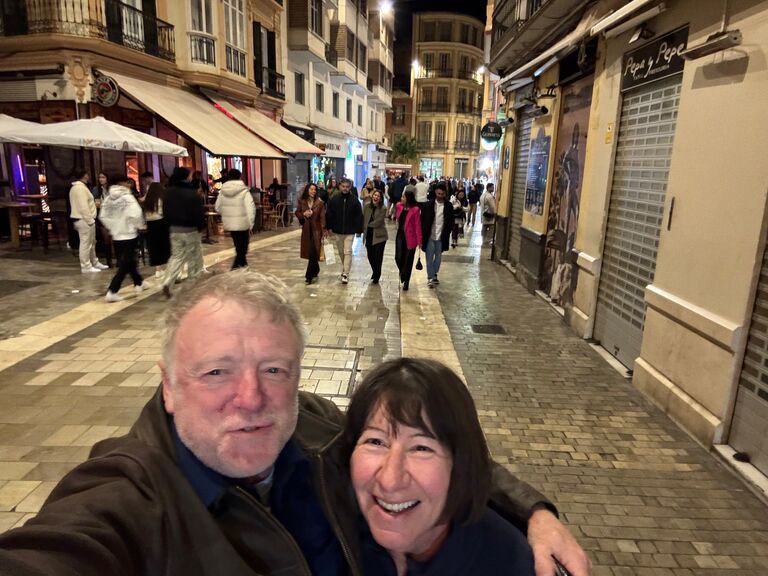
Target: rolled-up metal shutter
(749, 431)
(641, 168)
(520, 174)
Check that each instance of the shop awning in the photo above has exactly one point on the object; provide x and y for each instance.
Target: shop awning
(197, 118)
(266, 128)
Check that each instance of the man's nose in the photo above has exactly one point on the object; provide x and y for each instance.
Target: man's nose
(393, 474)
(249, 394)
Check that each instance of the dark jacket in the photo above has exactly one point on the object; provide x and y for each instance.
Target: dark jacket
(428, 218)
(473, 196)
(344, 214)
(182, 206)
(377, 221)
(129, 510)
(397, 188)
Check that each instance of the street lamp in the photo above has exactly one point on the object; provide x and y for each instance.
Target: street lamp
(385, 7)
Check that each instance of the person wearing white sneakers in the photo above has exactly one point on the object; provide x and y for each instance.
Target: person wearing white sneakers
(83, 212)
(123, 217)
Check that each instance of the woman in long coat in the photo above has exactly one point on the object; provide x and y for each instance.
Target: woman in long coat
(311, 215)
(375, 227)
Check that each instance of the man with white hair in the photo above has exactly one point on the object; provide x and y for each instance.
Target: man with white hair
(229, 469)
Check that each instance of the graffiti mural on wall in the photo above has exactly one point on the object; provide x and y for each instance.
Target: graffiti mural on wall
(559, 278)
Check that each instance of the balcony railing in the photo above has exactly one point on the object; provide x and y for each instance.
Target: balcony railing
(440, 145)
(331, 56)
(432, 144)
(202, 48)
(509, 17)
(235, 60)
(114, 20)
(398, 121)
(464, 145)
(468, 109)
(434, 107)
(435, 73)
(273, 83)
(470, 75)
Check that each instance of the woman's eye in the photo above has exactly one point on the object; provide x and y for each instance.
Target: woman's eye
(373, 442)
(422, 448)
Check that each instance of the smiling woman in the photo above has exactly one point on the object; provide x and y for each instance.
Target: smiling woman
(421, 472)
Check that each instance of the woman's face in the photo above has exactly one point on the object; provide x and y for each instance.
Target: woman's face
(332, 183)
(103, 179)
(376, 197)
(312, 191)
(401, 480)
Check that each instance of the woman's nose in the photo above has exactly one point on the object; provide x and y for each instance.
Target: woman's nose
(392, 474)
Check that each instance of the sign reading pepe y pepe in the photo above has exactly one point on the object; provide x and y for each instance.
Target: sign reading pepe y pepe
(655, 60)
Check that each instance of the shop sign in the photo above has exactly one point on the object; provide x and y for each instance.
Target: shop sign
(655, 60)
(491, 132)
(306, 133)
(105, 91)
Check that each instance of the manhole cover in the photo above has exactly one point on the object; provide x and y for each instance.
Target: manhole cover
(488, 329)
(459, 259)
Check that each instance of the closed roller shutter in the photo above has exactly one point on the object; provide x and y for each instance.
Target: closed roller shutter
(641, 168)
(520, 174)
(749, 431)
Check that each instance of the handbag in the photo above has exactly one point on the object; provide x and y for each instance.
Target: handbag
(322, 252)
(330, 253)
(488, 214)
(419, 265)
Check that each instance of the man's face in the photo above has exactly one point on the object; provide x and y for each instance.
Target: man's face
(233, 389)
(439, 194)
(344, 187)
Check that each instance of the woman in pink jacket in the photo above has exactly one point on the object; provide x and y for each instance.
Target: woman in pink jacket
(408, 235)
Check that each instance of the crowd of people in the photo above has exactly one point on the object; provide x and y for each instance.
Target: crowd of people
(230, 469)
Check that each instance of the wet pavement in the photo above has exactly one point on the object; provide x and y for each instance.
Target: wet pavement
(641, 496)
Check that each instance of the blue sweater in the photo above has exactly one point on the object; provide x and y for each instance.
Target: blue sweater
(489, 547)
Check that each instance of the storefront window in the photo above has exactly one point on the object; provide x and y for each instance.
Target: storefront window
(431, 168)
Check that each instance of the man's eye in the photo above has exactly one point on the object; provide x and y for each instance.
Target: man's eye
(215, 372)
(274, 370)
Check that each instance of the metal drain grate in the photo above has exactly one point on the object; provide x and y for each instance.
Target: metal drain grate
(488, 329)
(458, 259)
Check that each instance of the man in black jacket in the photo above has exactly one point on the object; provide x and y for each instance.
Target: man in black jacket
(184, 210)
(436, 226)
(396, 192)
(344, 218)
(229, 469)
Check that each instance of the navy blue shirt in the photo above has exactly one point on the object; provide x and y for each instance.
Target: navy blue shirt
(491, 546)
(293, 502)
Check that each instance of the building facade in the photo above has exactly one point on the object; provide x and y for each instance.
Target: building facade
(447, 93)
(339, 82)
(201, 73)
(636, 200)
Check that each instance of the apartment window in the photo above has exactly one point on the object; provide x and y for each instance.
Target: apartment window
(299, 80)
(362, 57)
(316, 16)
(335, 104)
(351, 41)
(444, 31)
(445, 61)
(349, 110)
(202, 43)
(359, 115)
(319, 97)
(464, 64)
(373, 120)
(440, 132)
(429, 61)
(234, 28)
(202, 19)
(428, 31)
(462, 98)
(399, 115)
(425, 132)
(426, 95)
(465, 33)
(442, 95)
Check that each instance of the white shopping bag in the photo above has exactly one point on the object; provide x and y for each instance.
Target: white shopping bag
(330, 252)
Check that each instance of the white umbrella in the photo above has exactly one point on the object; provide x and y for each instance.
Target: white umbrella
(92, 133)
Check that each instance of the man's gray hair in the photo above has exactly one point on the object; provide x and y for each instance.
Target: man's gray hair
(261, 292)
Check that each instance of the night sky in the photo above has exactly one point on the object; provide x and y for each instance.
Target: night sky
(404, 10)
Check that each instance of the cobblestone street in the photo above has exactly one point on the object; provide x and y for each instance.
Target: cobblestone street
(640, 495)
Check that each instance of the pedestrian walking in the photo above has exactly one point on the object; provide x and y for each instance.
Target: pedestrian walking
(366, 191)
(488, 213)
(185, 211)
(436, 224)
(396, 193)
(375, 226)
(158, 236)
(122, 216)
(322, 193)
(333, 188)
(311, 215)
(344, 218)
(409, 237)
(459, 203)
(83, 213)
(422, 191)
(238, 211)
(473, 198)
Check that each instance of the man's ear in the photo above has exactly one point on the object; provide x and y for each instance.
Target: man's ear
(167, 393)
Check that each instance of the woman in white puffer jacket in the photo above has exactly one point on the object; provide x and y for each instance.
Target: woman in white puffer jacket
(237, 209)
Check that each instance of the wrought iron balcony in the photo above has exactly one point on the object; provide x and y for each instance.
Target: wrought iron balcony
(470, 75)
(202, 48)
(235, 60)
(423, 73)
(464, 145)
(509, 16)
(273, 83)
(114, 20)
(468, 109)
(424, 144)
(434, 107)
(440, 145)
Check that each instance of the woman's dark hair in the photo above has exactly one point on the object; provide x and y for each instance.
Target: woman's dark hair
(305, 192)
(81, 173)
(155, 192)
(412, 392)
(410, 198)
(180, 174)
(334, 180)
(234, 174)
(119, 178)
(381, 197)
(412, 181)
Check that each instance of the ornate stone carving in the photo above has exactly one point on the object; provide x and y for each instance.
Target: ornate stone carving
(78, 72)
